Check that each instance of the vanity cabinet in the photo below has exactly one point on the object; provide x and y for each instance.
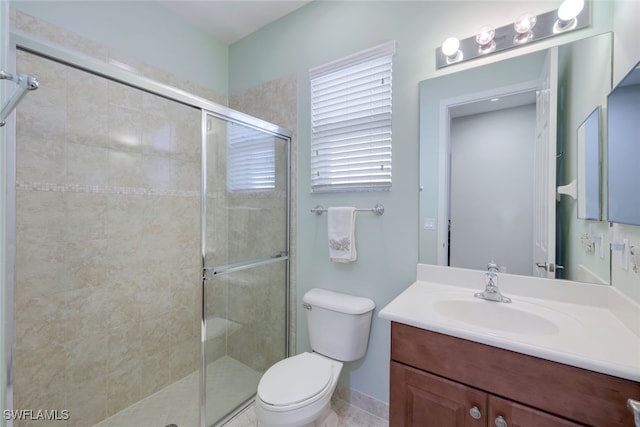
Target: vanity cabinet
(428, 400)
(441, 381)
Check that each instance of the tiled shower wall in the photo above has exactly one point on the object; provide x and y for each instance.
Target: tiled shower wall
(277, 102)
(107, 243)
(108, 237)
(253, 226)
(246, 226)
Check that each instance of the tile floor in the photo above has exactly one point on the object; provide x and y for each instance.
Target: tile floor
(348, 416)
(178, 403)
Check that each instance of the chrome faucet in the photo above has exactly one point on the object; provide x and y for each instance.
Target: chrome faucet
(491, 291)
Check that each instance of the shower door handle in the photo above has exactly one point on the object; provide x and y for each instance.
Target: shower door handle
(209, 272)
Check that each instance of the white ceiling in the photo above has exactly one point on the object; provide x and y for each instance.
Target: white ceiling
(230, 20)
(493, 104)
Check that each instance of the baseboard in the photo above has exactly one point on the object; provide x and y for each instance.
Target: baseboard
(362, 401)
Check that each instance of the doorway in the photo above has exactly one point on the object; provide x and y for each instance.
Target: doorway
(491, 182)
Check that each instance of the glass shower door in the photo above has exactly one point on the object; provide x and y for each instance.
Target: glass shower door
(245, 256)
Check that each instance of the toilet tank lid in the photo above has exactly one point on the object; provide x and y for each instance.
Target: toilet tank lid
(335, 301)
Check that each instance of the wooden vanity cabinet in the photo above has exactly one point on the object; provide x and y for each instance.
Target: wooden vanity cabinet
(441, 381)
(422, 399)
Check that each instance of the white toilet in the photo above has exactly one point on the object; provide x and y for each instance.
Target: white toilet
(296, 392)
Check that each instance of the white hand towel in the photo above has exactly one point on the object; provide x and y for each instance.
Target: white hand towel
(342, 234)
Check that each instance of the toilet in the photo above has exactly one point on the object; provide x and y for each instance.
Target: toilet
(296, 392)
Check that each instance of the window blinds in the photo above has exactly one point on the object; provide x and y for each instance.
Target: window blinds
(351, 122)
(250, 160)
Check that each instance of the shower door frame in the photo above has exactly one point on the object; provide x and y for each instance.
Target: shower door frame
(209, 273)
(20, 40)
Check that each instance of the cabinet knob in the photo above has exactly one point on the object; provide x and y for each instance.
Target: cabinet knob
(475, 413)
(501, 422)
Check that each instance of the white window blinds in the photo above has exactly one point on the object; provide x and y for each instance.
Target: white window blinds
(250, 159)
(351, 122)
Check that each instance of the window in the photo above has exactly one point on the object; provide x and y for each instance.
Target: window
(351, 122)
(250, 159)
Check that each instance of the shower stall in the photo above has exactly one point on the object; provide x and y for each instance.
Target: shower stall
(151, 261)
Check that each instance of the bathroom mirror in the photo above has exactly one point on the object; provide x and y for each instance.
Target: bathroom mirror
(623, 111)
(515, 217)
(589, 146)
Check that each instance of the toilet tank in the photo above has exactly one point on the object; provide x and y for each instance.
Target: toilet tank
(338, 323)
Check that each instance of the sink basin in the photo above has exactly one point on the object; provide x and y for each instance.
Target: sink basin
(507, 317)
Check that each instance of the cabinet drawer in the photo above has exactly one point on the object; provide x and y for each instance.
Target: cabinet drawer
(584, 396)
(517, 415)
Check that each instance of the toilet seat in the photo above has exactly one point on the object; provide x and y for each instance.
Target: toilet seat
(295, 381)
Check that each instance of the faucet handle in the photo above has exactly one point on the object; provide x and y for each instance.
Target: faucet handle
(492, 266)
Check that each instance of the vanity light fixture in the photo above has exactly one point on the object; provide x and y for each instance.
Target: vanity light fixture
(528, 28)
(567, 15)
(451, 49)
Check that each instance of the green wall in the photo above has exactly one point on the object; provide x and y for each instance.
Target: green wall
(579, 70)
(144, 30)
(626, 51)
(387, 246)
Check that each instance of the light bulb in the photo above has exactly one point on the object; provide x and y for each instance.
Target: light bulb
(525, 23)
(484, 38)
(567, 14)
(485, 35)
(569, 9)
(450, 47)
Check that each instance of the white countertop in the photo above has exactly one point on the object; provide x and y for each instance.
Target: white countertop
(599, 329)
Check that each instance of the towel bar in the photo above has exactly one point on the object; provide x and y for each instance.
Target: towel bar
(378, 209)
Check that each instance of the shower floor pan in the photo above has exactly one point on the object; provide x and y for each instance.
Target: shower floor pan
(178, 403)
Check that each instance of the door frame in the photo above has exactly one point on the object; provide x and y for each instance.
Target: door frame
(444, 152)
(210, 272)
(545, 186)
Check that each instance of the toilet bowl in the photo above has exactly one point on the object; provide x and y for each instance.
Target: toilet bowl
(296, 392)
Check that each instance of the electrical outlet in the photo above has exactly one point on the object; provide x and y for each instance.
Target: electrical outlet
(429, 224)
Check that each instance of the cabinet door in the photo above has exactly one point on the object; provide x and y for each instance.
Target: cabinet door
(516, 415)
(419, 399)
